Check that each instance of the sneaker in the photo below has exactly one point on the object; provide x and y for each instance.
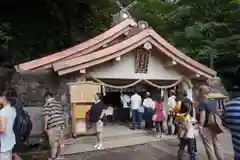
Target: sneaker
(96, 146)
(100, 146)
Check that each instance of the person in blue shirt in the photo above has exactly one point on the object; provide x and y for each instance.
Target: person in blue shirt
(209, 137)
(7, 118)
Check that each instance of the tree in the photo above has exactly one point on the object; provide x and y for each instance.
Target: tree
(33, 29)
(202, 29)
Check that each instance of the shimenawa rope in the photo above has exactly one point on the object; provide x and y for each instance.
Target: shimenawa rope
(136, 82)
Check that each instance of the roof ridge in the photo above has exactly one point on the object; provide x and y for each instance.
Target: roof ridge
(72, 50)
(129, 42)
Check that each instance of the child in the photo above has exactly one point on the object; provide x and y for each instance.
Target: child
(187, 131)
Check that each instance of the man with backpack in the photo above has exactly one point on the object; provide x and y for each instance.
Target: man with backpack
(210, 124)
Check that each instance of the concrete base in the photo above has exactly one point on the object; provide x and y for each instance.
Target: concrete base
(165, 148)
(114, 136)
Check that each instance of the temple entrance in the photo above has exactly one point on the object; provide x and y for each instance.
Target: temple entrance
(112, 90)
(82, 96)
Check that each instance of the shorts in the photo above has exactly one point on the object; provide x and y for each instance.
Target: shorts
(98, 127)
(6, 155)
(55, 136)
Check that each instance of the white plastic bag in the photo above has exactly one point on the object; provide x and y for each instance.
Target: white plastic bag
(141, 109)
(154, 117)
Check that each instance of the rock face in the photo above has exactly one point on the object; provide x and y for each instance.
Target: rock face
(31, 87)
(217, 86)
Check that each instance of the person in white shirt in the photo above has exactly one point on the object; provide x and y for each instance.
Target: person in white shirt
(7, 119)
(149, 107)
(136, 102)
(171, 106)
(125, 113)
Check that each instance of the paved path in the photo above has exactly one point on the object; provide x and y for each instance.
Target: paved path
(139, 152)
(164, 149)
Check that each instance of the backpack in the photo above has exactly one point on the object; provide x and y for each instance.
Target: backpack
(22, 125)
(214, 122)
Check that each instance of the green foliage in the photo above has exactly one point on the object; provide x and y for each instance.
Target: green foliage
(32, 30)
(4, 34)
(199, 28)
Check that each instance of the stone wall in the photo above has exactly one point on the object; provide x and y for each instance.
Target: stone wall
(5, 77)
(31, 87)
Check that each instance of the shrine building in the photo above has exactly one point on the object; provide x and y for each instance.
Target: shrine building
(127, 55)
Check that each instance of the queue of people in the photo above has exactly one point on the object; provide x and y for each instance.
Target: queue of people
(181, 113)
(149, 109)
(182, 116)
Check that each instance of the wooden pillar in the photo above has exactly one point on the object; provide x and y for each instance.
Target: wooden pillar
(188, 87)
(165, 103)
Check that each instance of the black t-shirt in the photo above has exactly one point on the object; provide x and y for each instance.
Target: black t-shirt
(96, 111)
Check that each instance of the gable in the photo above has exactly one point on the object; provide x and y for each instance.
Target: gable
(85, 56)
(122, 48)
(125, 69)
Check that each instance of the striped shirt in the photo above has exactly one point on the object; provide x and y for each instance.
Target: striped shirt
(54, 110)
(232, 121)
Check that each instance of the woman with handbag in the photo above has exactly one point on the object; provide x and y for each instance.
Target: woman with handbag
(158, 116)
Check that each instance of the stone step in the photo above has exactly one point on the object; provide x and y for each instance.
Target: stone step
(113, 143)
(92, 138)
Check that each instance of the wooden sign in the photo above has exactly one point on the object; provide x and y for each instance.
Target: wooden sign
(83, 92)
(142, 60)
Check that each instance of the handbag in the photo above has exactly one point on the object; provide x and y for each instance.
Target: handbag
(154, 117)
(141, 109)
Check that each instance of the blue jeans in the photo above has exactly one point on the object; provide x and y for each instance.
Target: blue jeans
(148, 113)
(190, 142)
(136, 115)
